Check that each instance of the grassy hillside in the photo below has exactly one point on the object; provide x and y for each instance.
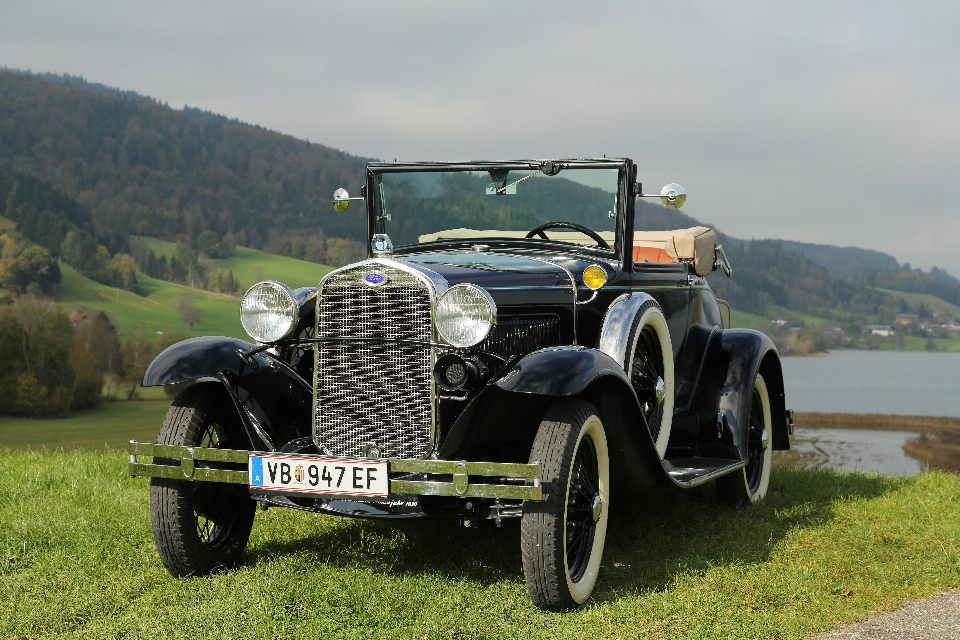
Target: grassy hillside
(251, 266)
(824, 548)
(157, 309)
(931, 302)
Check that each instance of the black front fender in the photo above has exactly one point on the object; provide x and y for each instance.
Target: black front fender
(196, 358)
(560, 371)
(274, 403)
(591, 374)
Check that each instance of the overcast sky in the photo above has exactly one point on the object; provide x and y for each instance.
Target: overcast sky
(831, 122)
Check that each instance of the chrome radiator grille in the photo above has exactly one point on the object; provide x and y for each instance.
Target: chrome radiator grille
(374, 393)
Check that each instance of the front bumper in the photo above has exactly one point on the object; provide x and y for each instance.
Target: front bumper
(506, 481)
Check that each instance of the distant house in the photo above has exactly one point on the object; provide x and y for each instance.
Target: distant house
(905, 318)
(884, 330)
(780, 322)
(950, 324)
(76, 318)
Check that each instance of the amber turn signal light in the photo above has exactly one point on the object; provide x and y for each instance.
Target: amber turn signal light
(594, 277)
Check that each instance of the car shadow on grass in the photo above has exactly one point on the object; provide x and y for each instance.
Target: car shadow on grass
(665, 532)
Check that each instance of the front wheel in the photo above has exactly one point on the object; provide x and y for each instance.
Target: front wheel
(200, 526)
(562, 535)
(749, 485)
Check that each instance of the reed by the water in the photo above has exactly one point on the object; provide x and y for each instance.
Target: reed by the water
(880, 422)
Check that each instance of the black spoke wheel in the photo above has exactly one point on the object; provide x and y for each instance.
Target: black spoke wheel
(646, 375)
(650, 369)
(200, 526)
(750, 484)
(562, 536)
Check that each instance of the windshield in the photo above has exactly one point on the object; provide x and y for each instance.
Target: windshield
(577, 206)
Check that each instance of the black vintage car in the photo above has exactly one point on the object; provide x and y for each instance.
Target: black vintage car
(512, 348)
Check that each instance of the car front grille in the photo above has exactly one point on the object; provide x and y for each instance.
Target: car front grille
(369, 392)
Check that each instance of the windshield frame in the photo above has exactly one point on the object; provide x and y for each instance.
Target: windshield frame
(626, 170)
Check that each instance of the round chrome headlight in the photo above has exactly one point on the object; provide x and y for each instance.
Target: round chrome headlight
(465, 315)
(268, 311)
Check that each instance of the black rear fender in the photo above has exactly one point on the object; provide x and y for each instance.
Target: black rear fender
(750, 353)
(273, 402)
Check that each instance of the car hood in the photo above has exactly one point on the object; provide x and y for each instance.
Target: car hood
(494, 270)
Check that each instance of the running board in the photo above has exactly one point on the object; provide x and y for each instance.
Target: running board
(689, 472)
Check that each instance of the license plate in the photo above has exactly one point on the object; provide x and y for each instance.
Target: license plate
(310, 474)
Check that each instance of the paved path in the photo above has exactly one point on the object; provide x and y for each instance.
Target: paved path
(930, 618)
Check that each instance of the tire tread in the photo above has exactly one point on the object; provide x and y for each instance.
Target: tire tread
(542, 532)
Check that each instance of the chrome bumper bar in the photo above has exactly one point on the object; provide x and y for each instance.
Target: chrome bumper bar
(468, 479)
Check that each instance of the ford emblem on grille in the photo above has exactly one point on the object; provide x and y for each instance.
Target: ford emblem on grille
(374, 279)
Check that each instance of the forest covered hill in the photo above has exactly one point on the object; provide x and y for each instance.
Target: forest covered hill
(139, 167)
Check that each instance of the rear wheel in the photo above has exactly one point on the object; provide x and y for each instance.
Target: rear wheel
(200, 526)
(750, 484)
(562, 536)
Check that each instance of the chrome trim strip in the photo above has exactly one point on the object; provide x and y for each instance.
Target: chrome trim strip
(707, 477)
(532, 288)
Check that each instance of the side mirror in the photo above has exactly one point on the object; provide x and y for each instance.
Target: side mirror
(671, 196)
(341, 200)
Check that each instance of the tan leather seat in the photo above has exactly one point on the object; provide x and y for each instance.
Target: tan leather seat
(696, 244)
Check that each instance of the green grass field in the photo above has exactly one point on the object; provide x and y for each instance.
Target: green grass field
(744, 320)
(250, 266)
(113, 424)
(78, 561)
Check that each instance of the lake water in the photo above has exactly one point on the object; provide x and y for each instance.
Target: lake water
(891, 382)
(850, 450)
(886, 382)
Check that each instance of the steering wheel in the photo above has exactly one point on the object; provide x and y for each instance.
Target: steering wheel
(539, 231)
